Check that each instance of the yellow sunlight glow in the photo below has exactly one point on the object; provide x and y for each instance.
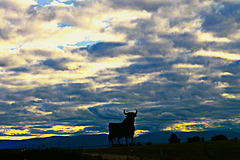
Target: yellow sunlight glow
(139, 132)
(219, 54)
(140, 78)
(229, 96)
(190, 66)
(12, 132)
(221, 85)
(95, 132)
(17, 137)
(64, 129)
(186, 126)
(208, 37)
(199, 125)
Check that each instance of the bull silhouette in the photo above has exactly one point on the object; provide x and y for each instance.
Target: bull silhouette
(122, 130)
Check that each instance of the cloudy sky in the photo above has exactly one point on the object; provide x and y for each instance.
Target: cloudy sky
(70, 67)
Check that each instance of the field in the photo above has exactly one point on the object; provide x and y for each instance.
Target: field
(217, 150)
(46, 154)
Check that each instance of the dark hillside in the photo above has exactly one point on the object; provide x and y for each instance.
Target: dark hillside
(47, 154)
(81, 141)
(211, 150)
(162, 137)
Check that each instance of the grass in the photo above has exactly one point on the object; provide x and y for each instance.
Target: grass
(212, 150)
(45, 154)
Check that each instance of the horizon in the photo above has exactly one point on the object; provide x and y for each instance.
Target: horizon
(19, 138)
(70, 67)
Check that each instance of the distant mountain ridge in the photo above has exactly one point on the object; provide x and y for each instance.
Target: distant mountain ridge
(99, 141)
(81, 141)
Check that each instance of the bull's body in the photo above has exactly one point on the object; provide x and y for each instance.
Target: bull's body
(122, 130)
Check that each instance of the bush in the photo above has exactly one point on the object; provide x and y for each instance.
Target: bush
(219, 138)
(149, 143)
(132, 144)
(194, 139)
(139, 143)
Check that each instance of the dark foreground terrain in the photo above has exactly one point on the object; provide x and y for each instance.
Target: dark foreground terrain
(212, 150)
(46, 154)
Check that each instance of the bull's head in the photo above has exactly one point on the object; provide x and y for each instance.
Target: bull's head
(130, 114)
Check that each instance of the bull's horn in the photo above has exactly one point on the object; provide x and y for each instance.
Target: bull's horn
(124, 112)
(136, 111)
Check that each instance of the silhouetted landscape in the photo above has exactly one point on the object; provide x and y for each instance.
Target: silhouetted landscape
(100, 141)
(150, 146)
(226, 149)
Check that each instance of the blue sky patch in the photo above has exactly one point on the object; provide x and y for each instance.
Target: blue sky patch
(68, 2)
(108, 23)
(44, 2)
(47, 2)
(18, 47)
(85, 43)
(63, 25)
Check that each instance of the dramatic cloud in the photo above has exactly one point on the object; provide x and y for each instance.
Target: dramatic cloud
(71, 66)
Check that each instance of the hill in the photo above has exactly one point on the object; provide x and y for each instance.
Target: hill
(210, 150)
(81, 141)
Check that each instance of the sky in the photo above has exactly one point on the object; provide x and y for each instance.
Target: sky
(70, 67)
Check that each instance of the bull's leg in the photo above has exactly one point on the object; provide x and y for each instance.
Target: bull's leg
(126, 138)
(118, 140)
(110, 139)
(132, 140)
(114, 140)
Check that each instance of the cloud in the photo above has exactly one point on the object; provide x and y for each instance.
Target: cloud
(175, 77)
(151, 5)
(190, 66)
(141, 78)
(139, 132)
(219, 54)
(17, 4)
(208, 37)
(36, 111)
(186, 126)
(80, 63)
(199, 125)
(64, 129)
(230, 96)
(167, 115)
(14, 132)
(218, 21)
(58, 64)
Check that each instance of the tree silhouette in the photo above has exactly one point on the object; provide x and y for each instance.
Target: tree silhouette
(219, 138)
(174, 138)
